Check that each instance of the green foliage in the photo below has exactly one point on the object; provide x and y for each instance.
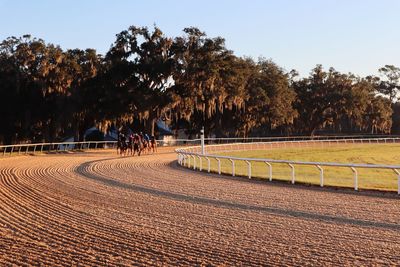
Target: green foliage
(194, 80)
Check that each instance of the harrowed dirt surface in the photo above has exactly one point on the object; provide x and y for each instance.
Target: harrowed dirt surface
(97, 208)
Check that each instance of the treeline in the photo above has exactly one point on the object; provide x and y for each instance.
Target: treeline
(191, 81)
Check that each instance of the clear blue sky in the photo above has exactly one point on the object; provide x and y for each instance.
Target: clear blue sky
(356, 36)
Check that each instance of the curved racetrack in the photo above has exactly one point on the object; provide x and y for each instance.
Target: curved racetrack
(97, 208)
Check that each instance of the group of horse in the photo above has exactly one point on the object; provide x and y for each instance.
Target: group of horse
(135, 144)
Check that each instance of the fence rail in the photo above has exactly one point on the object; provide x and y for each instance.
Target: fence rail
(68, 146)
(185, 155)
(71, 146)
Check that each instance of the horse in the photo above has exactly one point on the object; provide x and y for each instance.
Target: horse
(153, 144)
(130, 145)
(122, 146)
(137, 145)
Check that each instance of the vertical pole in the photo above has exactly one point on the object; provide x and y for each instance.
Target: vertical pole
(219, 165)
(34, 149)
(209, 165)
(321, 175)
(355, 178)
(293, 175)
(398, 180)
(270, 170)
(200, 163)
(194, 162)
(233, 166)
(248, 168)
(202, 141)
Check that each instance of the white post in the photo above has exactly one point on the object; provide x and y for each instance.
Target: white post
(270, 170)
(321, 175)
(200, 163)
(219, 165)
(355, 178)
(233, 166)
(202, 141)
(194, 162)
(209, 165)
(398, 180)
(248, 168)
(293, 175)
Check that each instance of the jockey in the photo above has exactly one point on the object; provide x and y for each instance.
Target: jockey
(146, 137)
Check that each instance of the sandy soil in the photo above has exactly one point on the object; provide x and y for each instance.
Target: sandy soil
(101, 209)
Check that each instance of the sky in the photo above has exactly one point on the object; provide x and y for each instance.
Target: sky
(357, 36)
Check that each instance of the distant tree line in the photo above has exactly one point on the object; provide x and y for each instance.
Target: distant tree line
(191, 81)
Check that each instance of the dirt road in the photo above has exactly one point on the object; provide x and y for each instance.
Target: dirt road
(101, 209)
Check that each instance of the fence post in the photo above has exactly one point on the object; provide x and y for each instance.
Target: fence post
(293, 175)
(34, 149)
(26, 150)
(219, 165)
(209, 165)
(194, 162)
(270, 170)
(398, 180)
(202, 141)
(248, 168)
(4, 151)
(321, 175)
(200, 163)
(355, 178)
(233, 166)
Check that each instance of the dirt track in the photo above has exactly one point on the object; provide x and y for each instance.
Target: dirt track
(100, 209)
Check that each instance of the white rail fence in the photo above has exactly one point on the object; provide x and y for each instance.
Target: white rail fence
(192, 157)
(70, 146)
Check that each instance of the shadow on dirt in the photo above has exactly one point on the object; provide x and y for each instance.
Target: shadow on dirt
(85, 171)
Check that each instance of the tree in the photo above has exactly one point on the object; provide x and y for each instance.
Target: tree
(200, 87)
(320, 99)
(146, 62)
(391, 85)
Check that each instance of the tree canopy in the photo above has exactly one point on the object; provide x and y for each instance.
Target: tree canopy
(190, 81)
